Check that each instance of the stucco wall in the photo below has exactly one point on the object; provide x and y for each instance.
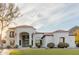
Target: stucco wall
(68, 39)
(17, 34)
(20, 30)
(8, 39)
(46, 40)
(36, 37)
(54, 39)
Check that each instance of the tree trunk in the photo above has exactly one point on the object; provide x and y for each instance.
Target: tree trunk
(1, 33)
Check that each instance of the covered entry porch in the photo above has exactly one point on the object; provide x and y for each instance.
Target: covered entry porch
(25, 39)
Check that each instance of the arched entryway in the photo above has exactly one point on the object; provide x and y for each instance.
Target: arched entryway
(24, 39)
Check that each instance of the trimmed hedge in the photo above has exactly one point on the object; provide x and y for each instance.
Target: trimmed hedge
(63, 45)
(50, 45)
(66, 45)
(16, 46)
(30, 46)
(8, 47)
(3, 41)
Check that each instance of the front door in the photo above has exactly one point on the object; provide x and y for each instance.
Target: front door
(25, 39)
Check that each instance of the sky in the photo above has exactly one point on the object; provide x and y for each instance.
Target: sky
(47, 17)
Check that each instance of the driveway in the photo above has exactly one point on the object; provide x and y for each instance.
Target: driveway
(4, 52)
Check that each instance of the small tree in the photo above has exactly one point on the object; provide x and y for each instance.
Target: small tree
(8, 12)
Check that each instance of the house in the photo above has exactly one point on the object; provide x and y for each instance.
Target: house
(26, 35)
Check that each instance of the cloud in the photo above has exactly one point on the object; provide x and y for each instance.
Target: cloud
(48, 16)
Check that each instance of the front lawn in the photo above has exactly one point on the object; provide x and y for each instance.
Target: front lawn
(45, 52)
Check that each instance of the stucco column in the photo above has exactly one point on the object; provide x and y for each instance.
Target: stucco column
(17, 39)
(30, 39)
(33, 42)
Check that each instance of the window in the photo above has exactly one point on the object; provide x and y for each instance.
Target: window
(19, 42)
(11, 34)
(27, 36)
(62, 39)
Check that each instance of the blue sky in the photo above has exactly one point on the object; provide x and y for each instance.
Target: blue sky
(48, 17)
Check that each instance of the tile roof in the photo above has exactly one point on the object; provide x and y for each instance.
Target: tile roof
(60, 31)
(47, 34)
(39, 33)
(22, 26)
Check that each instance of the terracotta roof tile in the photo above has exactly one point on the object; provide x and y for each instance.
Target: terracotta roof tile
(48, 33)
(22, 26)
(60, 31)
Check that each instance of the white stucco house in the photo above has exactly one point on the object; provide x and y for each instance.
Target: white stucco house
(25, 35)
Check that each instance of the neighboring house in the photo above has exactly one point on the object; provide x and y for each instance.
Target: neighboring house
(25, 35)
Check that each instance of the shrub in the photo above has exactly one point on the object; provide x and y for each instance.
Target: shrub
(12, 42)
(8, 46)
(16, 46)
(30, 46)
(66, 45)
(50, 45)
(38, 45)
(3, 41)
(61, 45)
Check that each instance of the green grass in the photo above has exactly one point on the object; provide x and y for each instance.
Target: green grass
(45, 52)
